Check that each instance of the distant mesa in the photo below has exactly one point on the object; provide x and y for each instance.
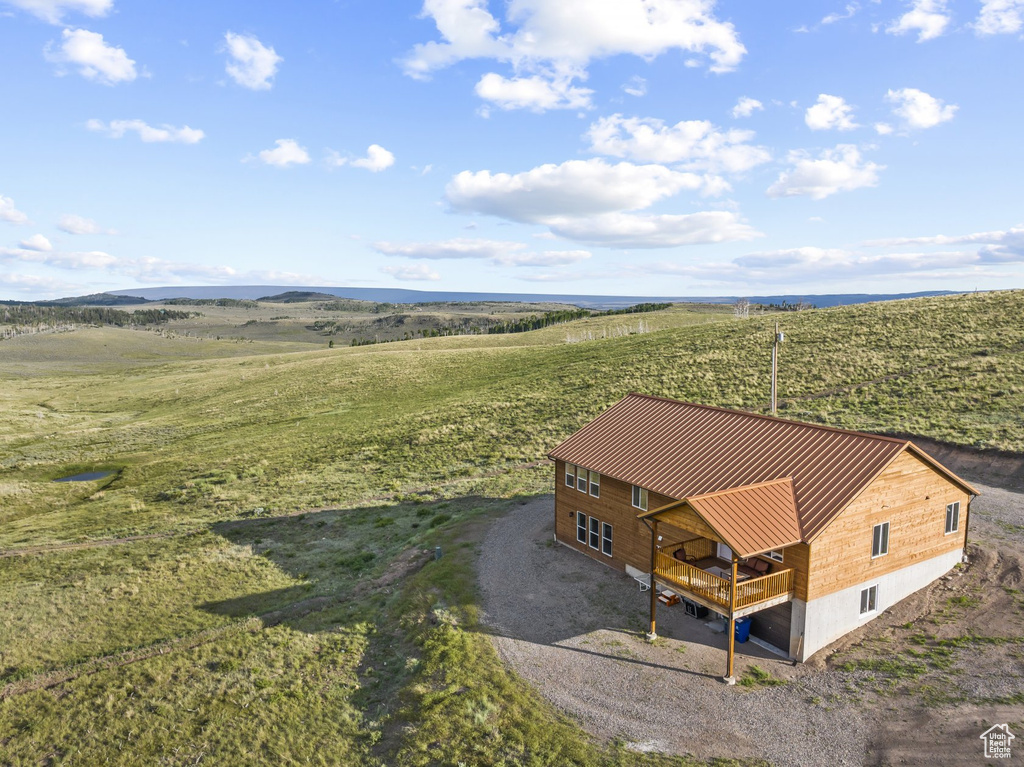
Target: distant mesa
(293, 293)
(93, 299)
(298, 296)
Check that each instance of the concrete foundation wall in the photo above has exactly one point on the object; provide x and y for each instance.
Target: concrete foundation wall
(827, 618)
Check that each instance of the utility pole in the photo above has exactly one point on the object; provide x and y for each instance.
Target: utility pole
(779, 338)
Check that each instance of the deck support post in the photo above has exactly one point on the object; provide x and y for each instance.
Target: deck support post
(653, 633)
(730, 678)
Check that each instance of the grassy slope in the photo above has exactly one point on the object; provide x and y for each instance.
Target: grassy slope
(199, 443)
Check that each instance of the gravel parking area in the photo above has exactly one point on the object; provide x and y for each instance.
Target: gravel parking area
(575, 629)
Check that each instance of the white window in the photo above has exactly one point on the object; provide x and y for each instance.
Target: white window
(581, 479)
(595, 534)
(953, 517)
(570, 475)
(606, 539)
(775, 554)
(581, 527)
(639, 498)
(880, 540)
(869, 600)
(595, 484)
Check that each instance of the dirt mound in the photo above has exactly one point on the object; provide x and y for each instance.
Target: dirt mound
(991, 467)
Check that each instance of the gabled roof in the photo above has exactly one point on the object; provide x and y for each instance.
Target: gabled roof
(682, 450)
(751, 520)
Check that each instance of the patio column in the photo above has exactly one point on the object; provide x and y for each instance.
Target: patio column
(729, 677)
(653, 634)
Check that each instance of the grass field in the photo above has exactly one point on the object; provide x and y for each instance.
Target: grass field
(276, 608)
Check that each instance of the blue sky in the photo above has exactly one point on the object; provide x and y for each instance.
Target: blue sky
(647, 147)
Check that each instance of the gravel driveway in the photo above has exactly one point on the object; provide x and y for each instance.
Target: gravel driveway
(575, 628)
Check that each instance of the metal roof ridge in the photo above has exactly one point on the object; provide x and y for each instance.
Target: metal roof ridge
(738, 488)
(772, 418)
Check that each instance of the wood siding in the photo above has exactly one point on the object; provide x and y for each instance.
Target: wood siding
(798, 557)
(911, 496)
(631, 539)
(682, 524)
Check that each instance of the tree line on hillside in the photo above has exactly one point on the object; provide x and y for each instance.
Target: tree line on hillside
(244, 303)
(559, 316)
(17, 313)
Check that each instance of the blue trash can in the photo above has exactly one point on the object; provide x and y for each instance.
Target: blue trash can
(742, 629)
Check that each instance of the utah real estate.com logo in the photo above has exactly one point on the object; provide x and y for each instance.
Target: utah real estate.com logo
(997, 741)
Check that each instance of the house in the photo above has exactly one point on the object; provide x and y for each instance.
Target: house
(809, 530)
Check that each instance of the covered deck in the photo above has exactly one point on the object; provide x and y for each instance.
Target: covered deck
(751, 520)
(701, 583)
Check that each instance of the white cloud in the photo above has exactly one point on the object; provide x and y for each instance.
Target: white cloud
(73, 224)
(558, 276)
(850, 10)
(929, 18)
(498, 252)
(535, 93)
(883, 129)
(834, 263)
(588, 201)
(830, 112)
(817, 265)
(697, 144)
(918, 110)
(627, 230)
(151, 270)
(574, 188)
(557, 41)
(32, 284)
(36, 242)
(9, 213)
(459, 247)
(1011, 240)
(746, 106)
(1000, 17)
(147, 133)
(252, 64)
(637, 86)
(547, 258)
(53, 10)
(287, 152)
(377, 159)
(92, 56)
(413, 272)
(62, 260)
(836, 170)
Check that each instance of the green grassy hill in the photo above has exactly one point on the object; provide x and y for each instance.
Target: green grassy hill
(267, 606)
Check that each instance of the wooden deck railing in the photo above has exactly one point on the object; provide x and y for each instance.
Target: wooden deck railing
(764, 588)
(693, 579)
(716, 590)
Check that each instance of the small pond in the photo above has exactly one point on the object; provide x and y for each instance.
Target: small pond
(88, 476)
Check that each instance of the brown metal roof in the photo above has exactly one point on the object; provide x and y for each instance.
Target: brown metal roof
(682, 450)
(752, 519)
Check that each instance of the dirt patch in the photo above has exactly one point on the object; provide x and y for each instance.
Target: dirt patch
(979, 599)
(991, 467)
